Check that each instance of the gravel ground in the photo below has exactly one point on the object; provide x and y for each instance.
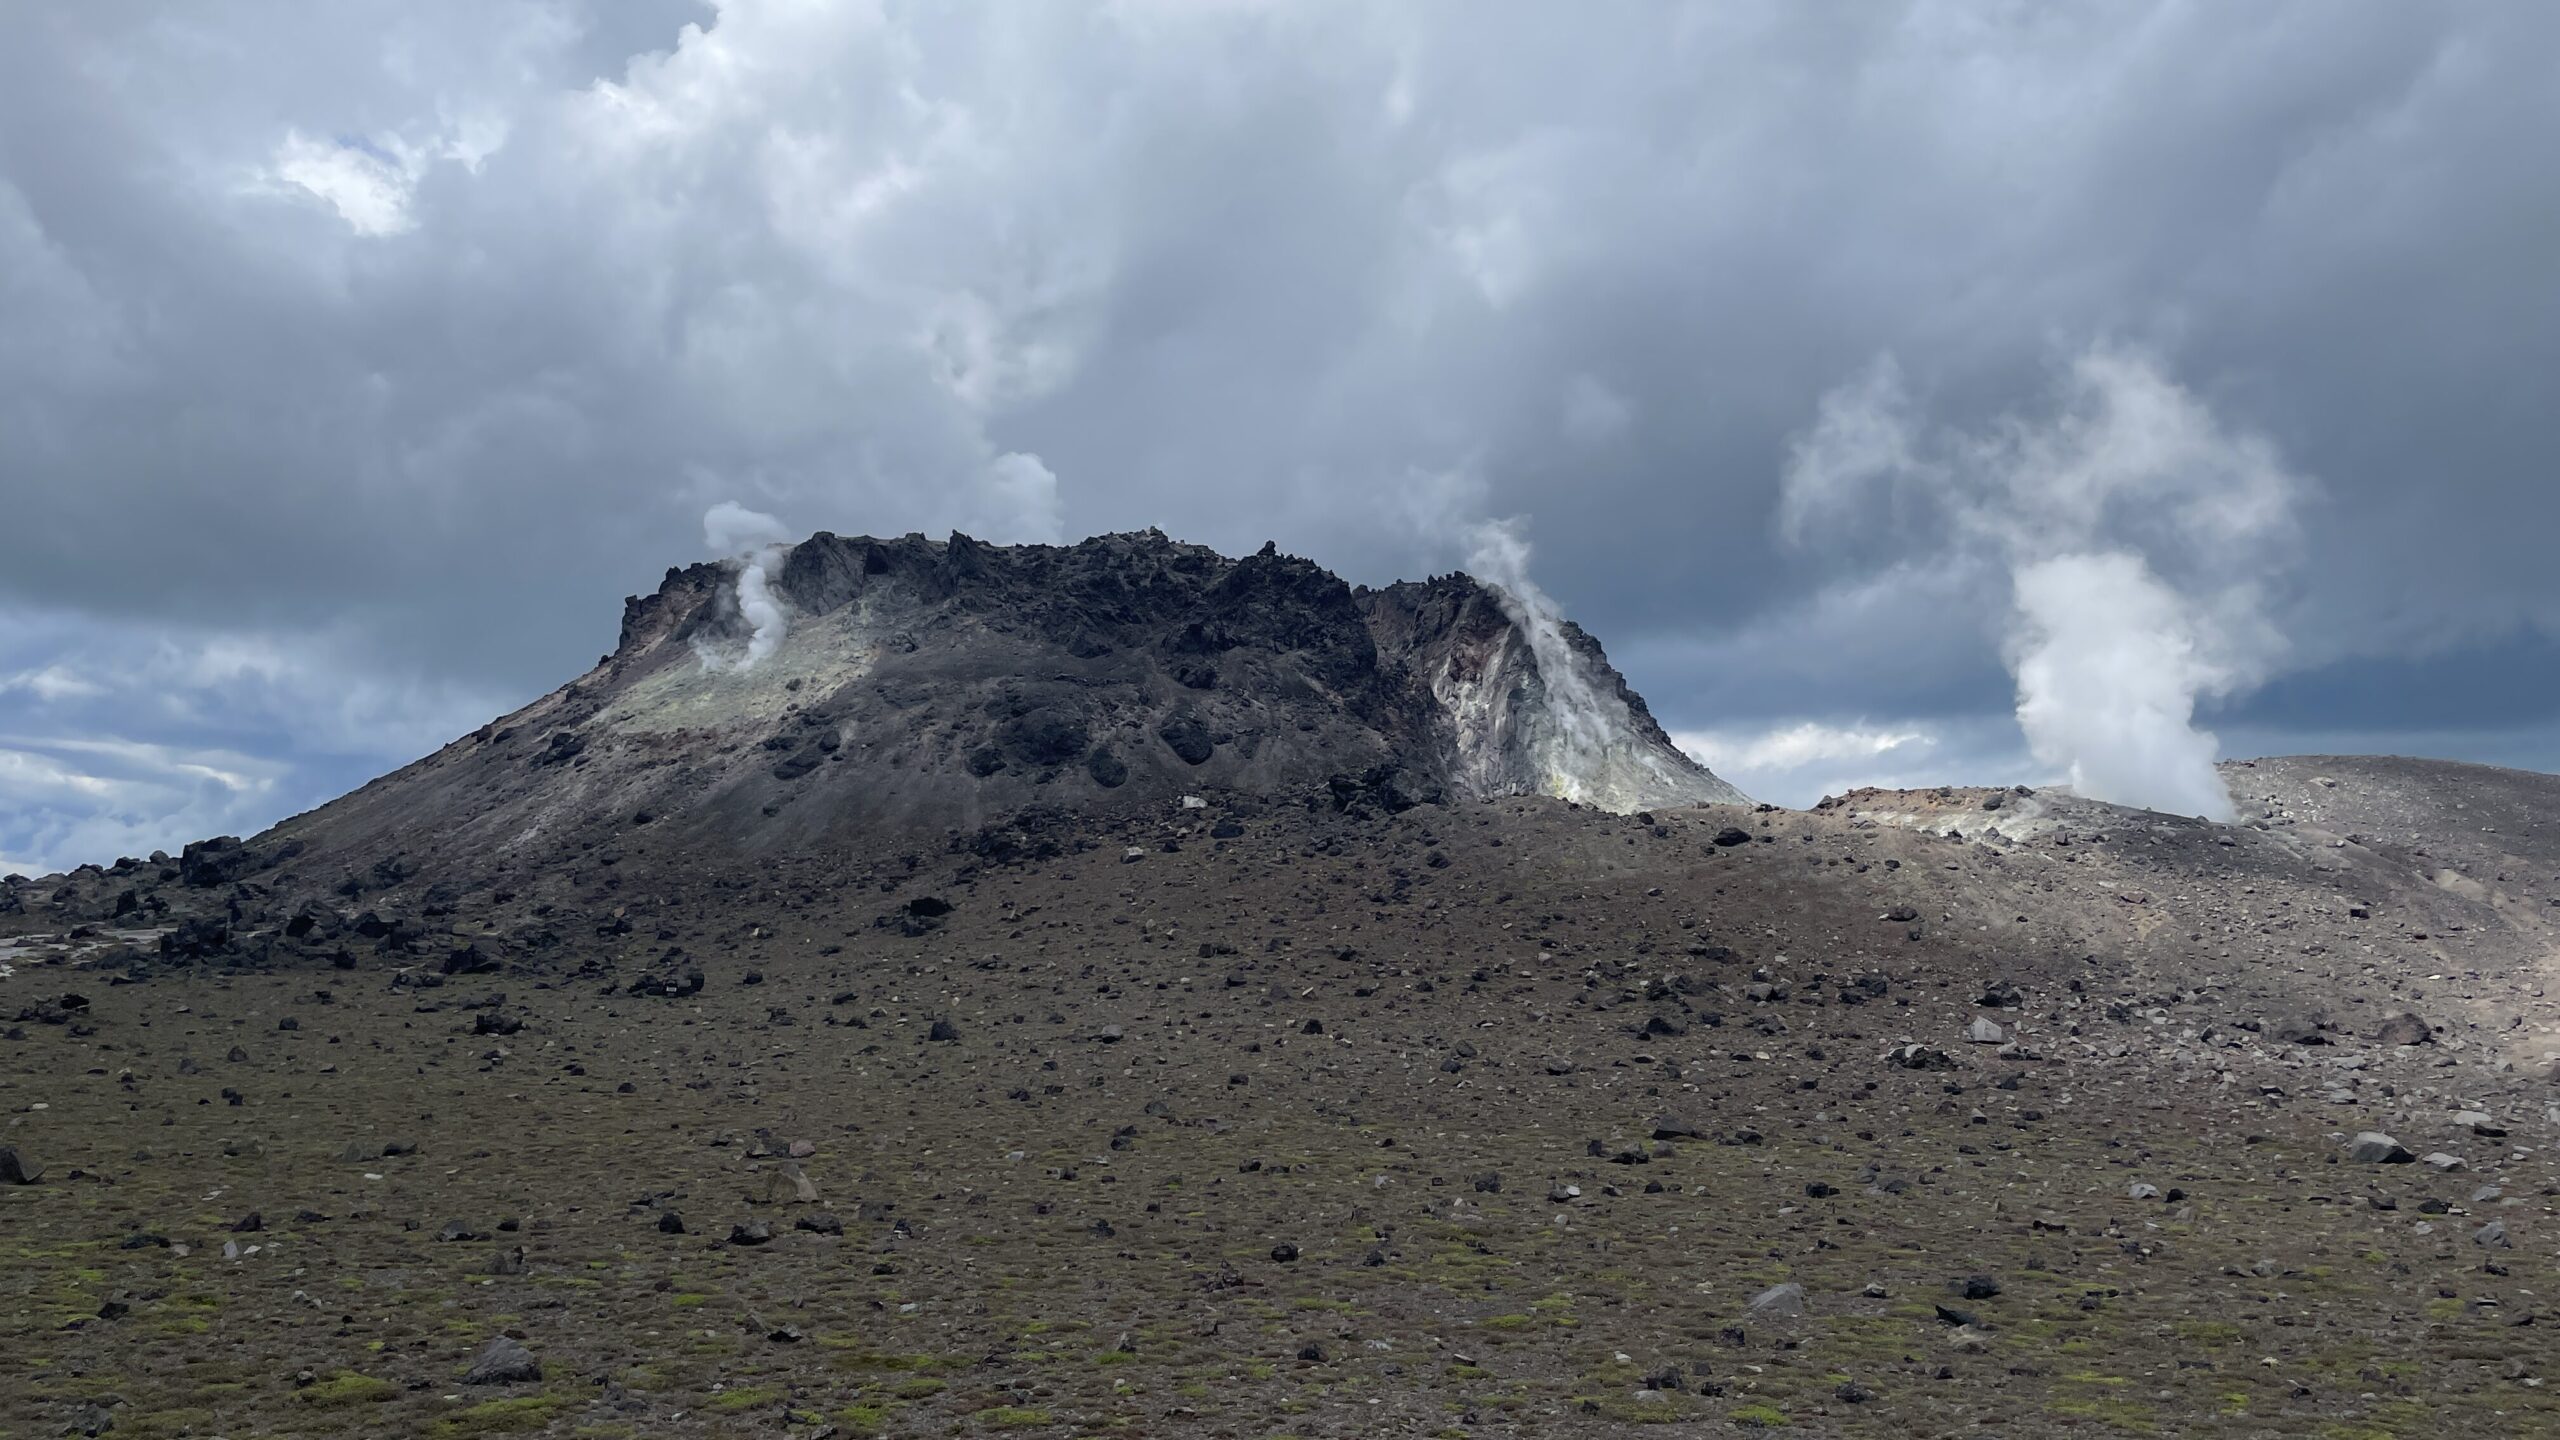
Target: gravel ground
(1497, 1119)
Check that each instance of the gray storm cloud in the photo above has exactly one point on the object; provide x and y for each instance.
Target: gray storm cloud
(280, 278)
(2136, 534)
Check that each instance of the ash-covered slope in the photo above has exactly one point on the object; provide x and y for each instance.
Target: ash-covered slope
(924, 687)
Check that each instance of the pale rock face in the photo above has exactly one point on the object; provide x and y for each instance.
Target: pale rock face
(1533, 717)
(1517, 734)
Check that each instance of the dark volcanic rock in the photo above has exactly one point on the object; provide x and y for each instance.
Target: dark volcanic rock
(928, 688)
(1047, 737)
(1187, 738)
(669, 985)
(2299, 1030)
(199, 937)
(218, 861)
(2403, 1029)
(1107, 769)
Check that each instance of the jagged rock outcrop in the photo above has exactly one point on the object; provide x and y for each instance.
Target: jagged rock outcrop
(929, 687)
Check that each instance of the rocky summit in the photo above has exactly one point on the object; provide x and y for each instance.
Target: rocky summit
(915, 688)
(929, 989)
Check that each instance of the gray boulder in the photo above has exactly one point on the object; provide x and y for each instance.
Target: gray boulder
(1779, 1302)
(2372, 1147)
(503, 1362)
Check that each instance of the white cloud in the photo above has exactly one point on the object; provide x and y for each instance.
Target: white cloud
(1790, 747)
(369, 191)
(1796, 763)
(53, 682)
(370, 182)
(68, 801)
(108, 731)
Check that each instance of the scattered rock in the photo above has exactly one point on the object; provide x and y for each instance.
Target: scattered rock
(503, 1362)
(2299, 1030)
(2372, 1147)
(1183, 734)
(2403, 1029)
(1778, 1302)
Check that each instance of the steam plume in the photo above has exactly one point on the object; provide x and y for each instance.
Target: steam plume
(1593, 728)
(757, 541)
(2132, 529)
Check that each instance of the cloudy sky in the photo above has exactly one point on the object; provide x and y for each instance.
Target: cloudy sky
(358, 356)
